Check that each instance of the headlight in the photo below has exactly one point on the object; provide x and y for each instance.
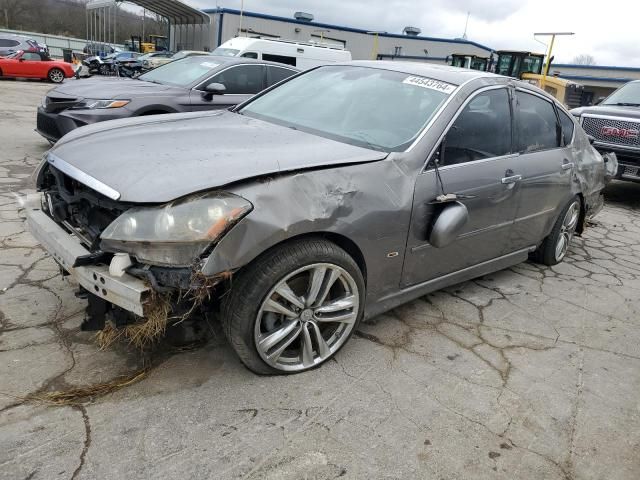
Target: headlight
(93, 104)
(177, 233)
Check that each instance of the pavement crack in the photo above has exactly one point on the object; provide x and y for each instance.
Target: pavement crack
(87, 439)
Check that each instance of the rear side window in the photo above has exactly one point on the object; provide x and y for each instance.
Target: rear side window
(243, 79)
(277, 74)
(8, 43)
(536, 124)
(249, 55)
(279, 59)
(567, 125)
(482, 130)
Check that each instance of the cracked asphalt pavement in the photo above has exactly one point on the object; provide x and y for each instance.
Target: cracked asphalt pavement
(528, 373)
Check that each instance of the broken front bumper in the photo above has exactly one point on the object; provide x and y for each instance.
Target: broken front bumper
(127, 292)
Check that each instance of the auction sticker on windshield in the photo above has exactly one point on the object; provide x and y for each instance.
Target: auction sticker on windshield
(430, 83)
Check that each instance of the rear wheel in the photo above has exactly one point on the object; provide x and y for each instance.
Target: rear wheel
(56, 75)
(294, 308)
(554, 248)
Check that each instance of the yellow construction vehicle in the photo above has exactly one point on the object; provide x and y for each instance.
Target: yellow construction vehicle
(528, 66)
(156, 43)
(474, 62)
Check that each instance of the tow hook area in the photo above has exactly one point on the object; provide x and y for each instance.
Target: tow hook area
(182, 323)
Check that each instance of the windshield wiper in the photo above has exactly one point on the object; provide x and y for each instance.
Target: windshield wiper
(625, 104)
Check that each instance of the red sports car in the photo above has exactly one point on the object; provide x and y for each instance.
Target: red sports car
(35, 65)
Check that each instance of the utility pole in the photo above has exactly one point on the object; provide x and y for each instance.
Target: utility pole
(466, 24)
(548, 64)
(241, 14)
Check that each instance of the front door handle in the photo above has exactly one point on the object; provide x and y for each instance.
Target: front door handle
(511, 179)
(567, 165)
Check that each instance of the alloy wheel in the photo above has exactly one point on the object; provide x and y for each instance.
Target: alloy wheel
(306, 317)
(567, 230)
(56, 76)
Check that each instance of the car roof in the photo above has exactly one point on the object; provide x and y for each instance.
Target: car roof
(445, 73)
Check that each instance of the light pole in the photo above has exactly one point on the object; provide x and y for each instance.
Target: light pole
(553, 39)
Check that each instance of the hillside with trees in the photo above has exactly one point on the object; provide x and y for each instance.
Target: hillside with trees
(68, 17)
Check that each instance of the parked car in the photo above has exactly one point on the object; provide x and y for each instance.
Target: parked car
(303, 55)
(615, 125)
(110, 62)
(190, 84)
(10, 43)
(335, 196)
(154, 59)
(35, 65)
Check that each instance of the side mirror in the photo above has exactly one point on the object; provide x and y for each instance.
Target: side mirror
(448, 224)
(600, 100)
(215, 89)
(591, 139)
(21, 59)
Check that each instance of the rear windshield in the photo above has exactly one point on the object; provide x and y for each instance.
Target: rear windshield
(180, 73)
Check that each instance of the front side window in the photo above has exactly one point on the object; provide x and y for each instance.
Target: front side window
(250, 55)
(567, 125)
(241, 80)
(504, 65)
(537, 125)
(482, 130)
(369, 107)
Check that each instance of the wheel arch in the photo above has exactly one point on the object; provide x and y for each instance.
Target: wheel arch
(342, 241)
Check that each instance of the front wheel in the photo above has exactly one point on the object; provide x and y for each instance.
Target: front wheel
(294, 307)
(56, 75)
(554, 248)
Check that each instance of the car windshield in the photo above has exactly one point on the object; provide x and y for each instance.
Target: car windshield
(628, 94)
(226, 52)
(369, 107)
(180, 73)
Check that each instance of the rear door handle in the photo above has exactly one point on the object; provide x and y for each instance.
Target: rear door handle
(511, 179)
(567, 165)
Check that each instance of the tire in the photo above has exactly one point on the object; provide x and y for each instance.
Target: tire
(555, 246)
(251, 313)
(55, 75)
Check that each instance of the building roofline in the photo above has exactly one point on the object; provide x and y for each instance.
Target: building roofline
(594, 67)
(596, 79)
(342, 28)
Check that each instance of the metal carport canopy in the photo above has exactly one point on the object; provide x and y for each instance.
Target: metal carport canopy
(177, 12)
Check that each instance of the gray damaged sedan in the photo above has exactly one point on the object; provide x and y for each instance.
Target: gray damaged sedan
(331, 198)
(192, 84)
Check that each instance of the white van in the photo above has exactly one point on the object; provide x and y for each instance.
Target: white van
(299, 54)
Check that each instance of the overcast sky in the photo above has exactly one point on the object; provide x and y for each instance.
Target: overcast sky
(608, 30)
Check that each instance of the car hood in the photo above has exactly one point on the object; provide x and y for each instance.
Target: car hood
(609, 110)
(164, 157)
(109, 89)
